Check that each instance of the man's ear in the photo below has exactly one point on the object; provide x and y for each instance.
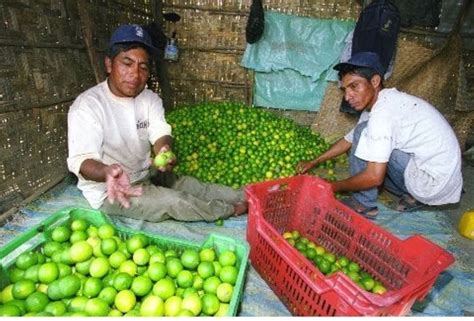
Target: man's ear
(108, 65)
(376, 81)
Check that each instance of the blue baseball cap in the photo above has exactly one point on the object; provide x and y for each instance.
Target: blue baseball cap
(363, 59)
(131, 33)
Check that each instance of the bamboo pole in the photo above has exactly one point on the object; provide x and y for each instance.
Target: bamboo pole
(86, 26)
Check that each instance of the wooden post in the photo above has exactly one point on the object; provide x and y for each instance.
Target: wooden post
(86, 27)
(161, 64)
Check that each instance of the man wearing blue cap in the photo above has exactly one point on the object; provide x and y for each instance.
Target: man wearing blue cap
(401, 142)
(111, 128)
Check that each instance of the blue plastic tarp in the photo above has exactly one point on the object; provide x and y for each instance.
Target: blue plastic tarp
(294, 58)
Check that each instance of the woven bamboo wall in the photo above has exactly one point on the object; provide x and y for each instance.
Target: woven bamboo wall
(211, 37)
(43, 68)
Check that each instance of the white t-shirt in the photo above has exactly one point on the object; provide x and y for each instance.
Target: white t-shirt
(410, 124)
(113, 130)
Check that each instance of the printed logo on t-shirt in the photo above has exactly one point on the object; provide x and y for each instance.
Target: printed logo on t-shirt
(143, 124)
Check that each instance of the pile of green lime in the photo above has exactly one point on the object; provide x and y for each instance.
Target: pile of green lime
(84, 270)
(328, 263)
(234, 145)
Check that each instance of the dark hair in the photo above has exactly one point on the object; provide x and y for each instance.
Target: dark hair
(117, 48)
(363, 72)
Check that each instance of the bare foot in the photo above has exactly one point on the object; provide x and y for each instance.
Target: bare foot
(240, 208)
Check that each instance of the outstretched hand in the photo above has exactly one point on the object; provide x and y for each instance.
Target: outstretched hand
(118, 186)
(305, 166)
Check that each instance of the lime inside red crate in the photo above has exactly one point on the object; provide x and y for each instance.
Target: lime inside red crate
(408, 268)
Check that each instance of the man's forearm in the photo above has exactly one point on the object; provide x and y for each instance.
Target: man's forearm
(372, 176)
(354, 183)
(93, 170)
(162, 141)
(340, 147)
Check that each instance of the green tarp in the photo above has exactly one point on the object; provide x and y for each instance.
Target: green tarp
(293, 60)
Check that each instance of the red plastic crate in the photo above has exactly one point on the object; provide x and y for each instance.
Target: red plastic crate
(408, 268)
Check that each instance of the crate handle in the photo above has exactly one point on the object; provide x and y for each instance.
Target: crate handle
(278, 187)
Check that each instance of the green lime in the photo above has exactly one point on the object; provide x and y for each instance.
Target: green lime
(330, 257)
(122, 281)
(92, 287)
(50, 247)
(300, 246)
(310, 253)
(57, 308)
(129, 267)
(229, 274)
(23, 288)
(141, 286)
(106, 231)
(353, 275)
(152, 306)
(190, 259)
(99, 267)
(156, 271)
(125, 301)
(192, 303)
(48, 272)
(210, 284)
(206, 269)
(354, 267)
(173, 266)
(61, 234)
(70, 285)
(21, 304)
(15, 274)
(173, 306)
(79, 225)
(108, 294)
(141, 257)
(164, 288)
(227, 258)
(117, 258)
(9, 311)
(207, 255)
(185, 279)
(210, 304)
(368, 283)
(379, 289)
(26, 260)
(97, 308)
(77, 236)
(224, 292)
(324, 266)
(136, 242)
(108, 246)
(343, 261)
(77, 304)
(36, 302)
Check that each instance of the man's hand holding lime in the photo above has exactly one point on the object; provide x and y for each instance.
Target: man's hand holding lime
(165, 160)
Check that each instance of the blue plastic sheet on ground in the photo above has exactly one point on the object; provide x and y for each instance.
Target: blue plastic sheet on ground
(451, 294)
(293, 60)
